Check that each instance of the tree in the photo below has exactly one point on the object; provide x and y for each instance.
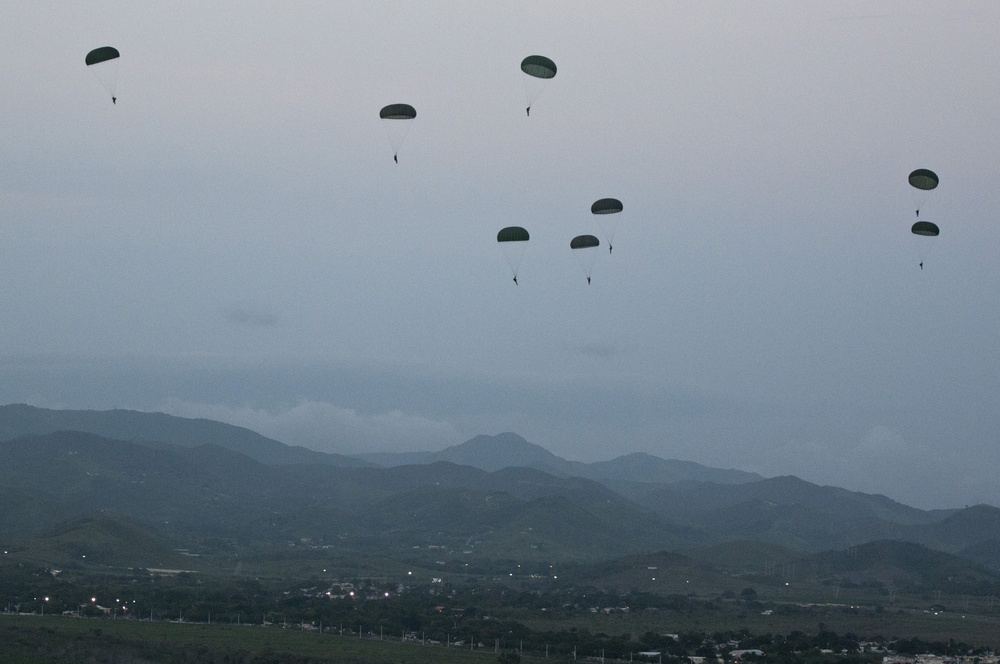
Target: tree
(509, 657)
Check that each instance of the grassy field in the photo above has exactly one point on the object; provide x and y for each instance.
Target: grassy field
(974, 628)
(30, 639)
(25, 639)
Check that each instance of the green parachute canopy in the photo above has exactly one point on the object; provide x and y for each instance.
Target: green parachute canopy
(925, 228)
(512, 234)
(923, 179)
(607, 206)
(398, 112)
(102, 54)
(538, 66)
(584, 242)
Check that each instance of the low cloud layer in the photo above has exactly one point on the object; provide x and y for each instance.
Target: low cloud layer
(882, 461)
(330, 428)
(352, 409)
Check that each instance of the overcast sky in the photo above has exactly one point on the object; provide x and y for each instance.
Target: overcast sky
(233, 240)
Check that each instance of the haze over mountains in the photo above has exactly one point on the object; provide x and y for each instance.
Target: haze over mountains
(22, 420)
(196, 482)
(508, 449)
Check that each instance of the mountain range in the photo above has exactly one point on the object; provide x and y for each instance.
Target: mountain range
(166, 483)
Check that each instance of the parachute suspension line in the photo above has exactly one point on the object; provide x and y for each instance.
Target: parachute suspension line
(104, 63)
(605, 209)
(513, 240)
(585, 249)
(922, 180)
(397, 118)
(922, 232)
(538, 69)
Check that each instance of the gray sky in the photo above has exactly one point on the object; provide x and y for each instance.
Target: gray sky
(233, 240)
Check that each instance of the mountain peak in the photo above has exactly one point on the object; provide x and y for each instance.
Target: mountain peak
(501, 451)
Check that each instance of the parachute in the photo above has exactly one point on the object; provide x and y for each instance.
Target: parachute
(607, 206)
(397, 112)
(602, 208)
(513, 240)
(396, 119)
(512, 234)
(922, 180)
(103, 62)
(585, 249)
(538, 66)
(923, 229)
(539, 69)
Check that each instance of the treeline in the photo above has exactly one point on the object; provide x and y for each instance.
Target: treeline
(32, 640)
(356, 605)
(478, 617)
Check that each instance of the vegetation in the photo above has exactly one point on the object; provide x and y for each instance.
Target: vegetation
(65, 639)
(135, 615)
(133, 552)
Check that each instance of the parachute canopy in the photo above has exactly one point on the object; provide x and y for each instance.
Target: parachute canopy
(923, 179)
(925, 228)
(606, 206)
(584, 242)
(102, 54)
(538, 66)
(512, 234)
(398, 112)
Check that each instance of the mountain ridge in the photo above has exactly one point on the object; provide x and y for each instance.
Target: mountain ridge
(486, 452)
(509, 449)
(627, 504)
(18, 420)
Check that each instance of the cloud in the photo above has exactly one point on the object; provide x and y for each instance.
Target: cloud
(935, 460)
(327, 427)
(883, 461)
